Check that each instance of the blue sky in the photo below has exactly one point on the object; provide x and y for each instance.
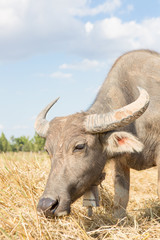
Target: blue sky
(64, 48)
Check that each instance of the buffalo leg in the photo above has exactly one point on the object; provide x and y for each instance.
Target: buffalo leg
(121, 185)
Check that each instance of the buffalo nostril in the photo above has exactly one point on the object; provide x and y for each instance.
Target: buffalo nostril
(47, 206)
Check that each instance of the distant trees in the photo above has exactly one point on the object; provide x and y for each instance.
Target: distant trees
(23, 144)
(4, 143)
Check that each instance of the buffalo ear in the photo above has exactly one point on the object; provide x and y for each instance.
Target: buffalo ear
(122, 142)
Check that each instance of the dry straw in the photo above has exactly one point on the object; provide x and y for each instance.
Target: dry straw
(22, 180)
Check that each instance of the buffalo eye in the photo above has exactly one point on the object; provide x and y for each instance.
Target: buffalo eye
(79, 147)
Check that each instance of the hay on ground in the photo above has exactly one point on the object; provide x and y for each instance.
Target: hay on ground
(22, 180)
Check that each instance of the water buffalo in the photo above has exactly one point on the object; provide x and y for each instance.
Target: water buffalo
(117, 126)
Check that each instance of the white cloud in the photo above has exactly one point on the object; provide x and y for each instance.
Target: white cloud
(127, 10)
(60, 75)
(85, 64)
(111, 37)
(108, 6)
(29, 27)
(89, 27)
(113, 28)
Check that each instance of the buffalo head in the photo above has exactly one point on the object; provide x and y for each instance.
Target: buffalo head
(79, 146)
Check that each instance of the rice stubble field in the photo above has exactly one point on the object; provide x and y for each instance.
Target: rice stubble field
(22, 181)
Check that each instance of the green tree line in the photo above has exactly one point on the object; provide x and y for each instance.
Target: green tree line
(23, 144)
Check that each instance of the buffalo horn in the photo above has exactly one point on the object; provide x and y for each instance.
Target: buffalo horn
(99, 123)
(41, 124)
